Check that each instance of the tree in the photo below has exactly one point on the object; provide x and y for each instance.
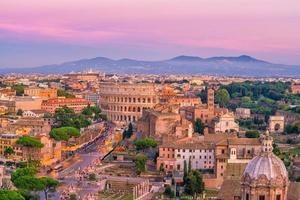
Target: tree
(93, 112)
(8, 151)
(24, 179)
(10, 195)
(145, 143)
(185, 171)
(190, 166)
(252, 134)
(199, 126)
(66, 116)
(161, 167)
(28, 171)
(28, 141)
(124, 134)
(130, 130)
(276, 149)
(73, 196)
(246, 102)
(64, 133)
(169, 192)
(222, 97)
(128, 133)
(194, 184)
(20, 112)
(19, 88)
(140, 163)
(48, 185)
(92, 177)
(62, 93)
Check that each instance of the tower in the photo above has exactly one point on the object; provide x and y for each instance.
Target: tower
(211, 100)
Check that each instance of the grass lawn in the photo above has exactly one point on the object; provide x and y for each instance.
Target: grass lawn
(295, 151)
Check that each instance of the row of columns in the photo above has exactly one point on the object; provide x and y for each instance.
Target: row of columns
(127, 108)
(129, 118)
(141, 189)
(131, 99)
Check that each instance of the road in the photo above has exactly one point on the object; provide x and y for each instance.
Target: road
(82, 159)
(86, 155)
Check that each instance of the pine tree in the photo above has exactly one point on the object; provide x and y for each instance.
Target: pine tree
(185, 172)
(190, 166)
(129, 130)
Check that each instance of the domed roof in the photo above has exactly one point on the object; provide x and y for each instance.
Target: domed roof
(266, 164)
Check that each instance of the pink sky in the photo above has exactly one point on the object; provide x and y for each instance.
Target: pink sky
(148, 29)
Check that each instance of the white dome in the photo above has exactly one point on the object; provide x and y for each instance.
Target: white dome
(266, 164)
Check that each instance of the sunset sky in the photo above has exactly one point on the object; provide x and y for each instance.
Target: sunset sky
(38, 32)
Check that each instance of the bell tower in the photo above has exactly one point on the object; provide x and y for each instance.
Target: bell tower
(211, 102)
(267, 143)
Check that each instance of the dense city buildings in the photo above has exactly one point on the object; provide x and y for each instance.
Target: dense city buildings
(190, 115)
(124, 130)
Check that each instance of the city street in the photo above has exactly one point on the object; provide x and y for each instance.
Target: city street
(82, 159)
(86, 155)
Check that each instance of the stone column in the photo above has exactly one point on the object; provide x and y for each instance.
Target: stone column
(134, 195)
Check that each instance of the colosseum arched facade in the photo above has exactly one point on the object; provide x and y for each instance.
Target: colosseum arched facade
(124, 102)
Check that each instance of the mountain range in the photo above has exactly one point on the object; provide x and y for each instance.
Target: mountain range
(243, 65)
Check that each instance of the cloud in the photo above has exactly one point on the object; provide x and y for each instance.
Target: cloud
(58, 33)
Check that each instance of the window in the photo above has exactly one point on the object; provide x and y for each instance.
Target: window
(223, 151)
(247, 197)
(278, 197)
(261, 197)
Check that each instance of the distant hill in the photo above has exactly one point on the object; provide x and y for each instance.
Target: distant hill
(243, 65)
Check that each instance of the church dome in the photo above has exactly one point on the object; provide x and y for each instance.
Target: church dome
(267, 165)
(265, 176)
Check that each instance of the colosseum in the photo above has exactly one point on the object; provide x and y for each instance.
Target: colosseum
(124, 102)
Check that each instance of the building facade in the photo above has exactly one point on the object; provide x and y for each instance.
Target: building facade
(226, 123)
(174, 154)
(7, 140)
(243, 113)
(41, 92)
(124, 102)
(77, 104)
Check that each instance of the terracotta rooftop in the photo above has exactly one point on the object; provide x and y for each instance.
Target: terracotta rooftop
(229, 189)
(187, 143)
(244, 141)
(293, 191)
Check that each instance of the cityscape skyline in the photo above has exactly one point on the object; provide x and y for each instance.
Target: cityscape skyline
(34, 33)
